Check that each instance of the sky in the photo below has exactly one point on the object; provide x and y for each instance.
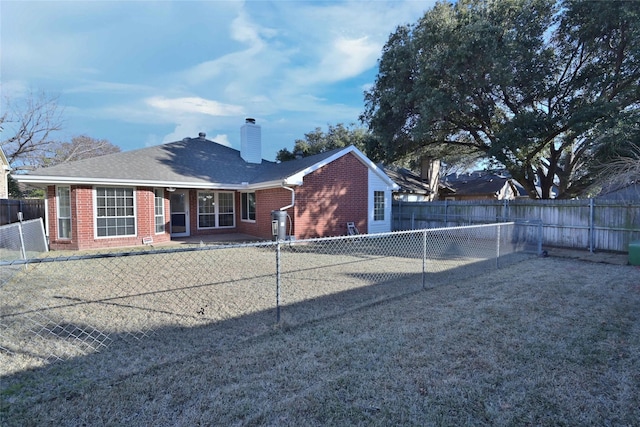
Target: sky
(142, 73)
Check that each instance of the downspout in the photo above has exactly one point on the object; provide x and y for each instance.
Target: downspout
(293, 197)
(293, 202)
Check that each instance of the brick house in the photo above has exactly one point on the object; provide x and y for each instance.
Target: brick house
(197, 187)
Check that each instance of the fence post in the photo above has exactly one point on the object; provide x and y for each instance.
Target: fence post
(591, 225)
(445, 213)
(20, 232)
(424, 259)
(540, 237)
(498, 247)
(278, 281)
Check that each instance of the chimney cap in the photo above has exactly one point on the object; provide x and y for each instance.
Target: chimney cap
(202, 135)
(250, 120)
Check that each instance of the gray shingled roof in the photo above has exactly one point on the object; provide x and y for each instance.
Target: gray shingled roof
(488, 183)
(191, 161)
(408, 181)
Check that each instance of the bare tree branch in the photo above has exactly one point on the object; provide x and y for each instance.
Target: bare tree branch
(31, 125)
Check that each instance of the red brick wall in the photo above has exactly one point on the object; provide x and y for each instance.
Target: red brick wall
(332, 196)
(82, 227)
(329, 198)
(266, 201)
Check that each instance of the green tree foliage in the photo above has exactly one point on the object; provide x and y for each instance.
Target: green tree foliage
(538, 86)
(339, 136)
(14, 188)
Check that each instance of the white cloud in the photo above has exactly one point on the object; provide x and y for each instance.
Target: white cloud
(108, 87)
(190, 105)
(345, 58)
(222, 139)
(148, 67)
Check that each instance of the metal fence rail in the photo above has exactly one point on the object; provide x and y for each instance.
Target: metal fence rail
(62, 307)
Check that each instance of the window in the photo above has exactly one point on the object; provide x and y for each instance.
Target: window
(206, 210)
(215, 210)
(226, 210)
(64, 212)
(248, 208)
(159, 209)
(115, 212)
(378, 205)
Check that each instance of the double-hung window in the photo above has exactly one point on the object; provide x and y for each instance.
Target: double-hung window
(159, 209)
(216, 209)
(378, 205)
(64, 212)
(115, 212)
(248, 208)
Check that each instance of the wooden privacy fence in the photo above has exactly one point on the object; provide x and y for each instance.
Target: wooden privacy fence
(593, 224)
(30, 208)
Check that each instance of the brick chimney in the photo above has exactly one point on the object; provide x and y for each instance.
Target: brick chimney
(250, 142)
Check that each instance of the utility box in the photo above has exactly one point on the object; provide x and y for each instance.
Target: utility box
(634, 252)
(279, 225)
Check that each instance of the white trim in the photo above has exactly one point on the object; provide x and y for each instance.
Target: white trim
(52, 180)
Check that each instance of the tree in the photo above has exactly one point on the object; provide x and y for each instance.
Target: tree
(80, 148)
(31, 124)
(338, 136)
(532, 85)
(619, 158)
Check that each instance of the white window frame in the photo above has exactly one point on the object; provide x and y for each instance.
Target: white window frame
(59, 214)
(376, 207)
(158, 217)
(96, 210)
(216, 209)
(244, 210)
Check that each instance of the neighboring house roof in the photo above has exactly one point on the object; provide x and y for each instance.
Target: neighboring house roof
(193, 163)
(479, 184)
(407, 181)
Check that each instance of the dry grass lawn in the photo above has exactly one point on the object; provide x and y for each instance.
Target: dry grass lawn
(543, 342)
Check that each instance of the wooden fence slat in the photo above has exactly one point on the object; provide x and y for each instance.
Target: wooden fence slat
(590, 224)
(30, 208)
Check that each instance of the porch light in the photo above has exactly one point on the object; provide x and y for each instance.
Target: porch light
(171, 189)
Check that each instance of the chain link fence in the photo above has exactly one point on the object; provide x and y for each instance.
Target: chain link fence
(57, 307)
(22, 240)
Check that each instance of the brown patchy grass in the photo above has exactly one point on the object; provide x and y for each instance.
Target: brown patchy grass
(543, 342)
